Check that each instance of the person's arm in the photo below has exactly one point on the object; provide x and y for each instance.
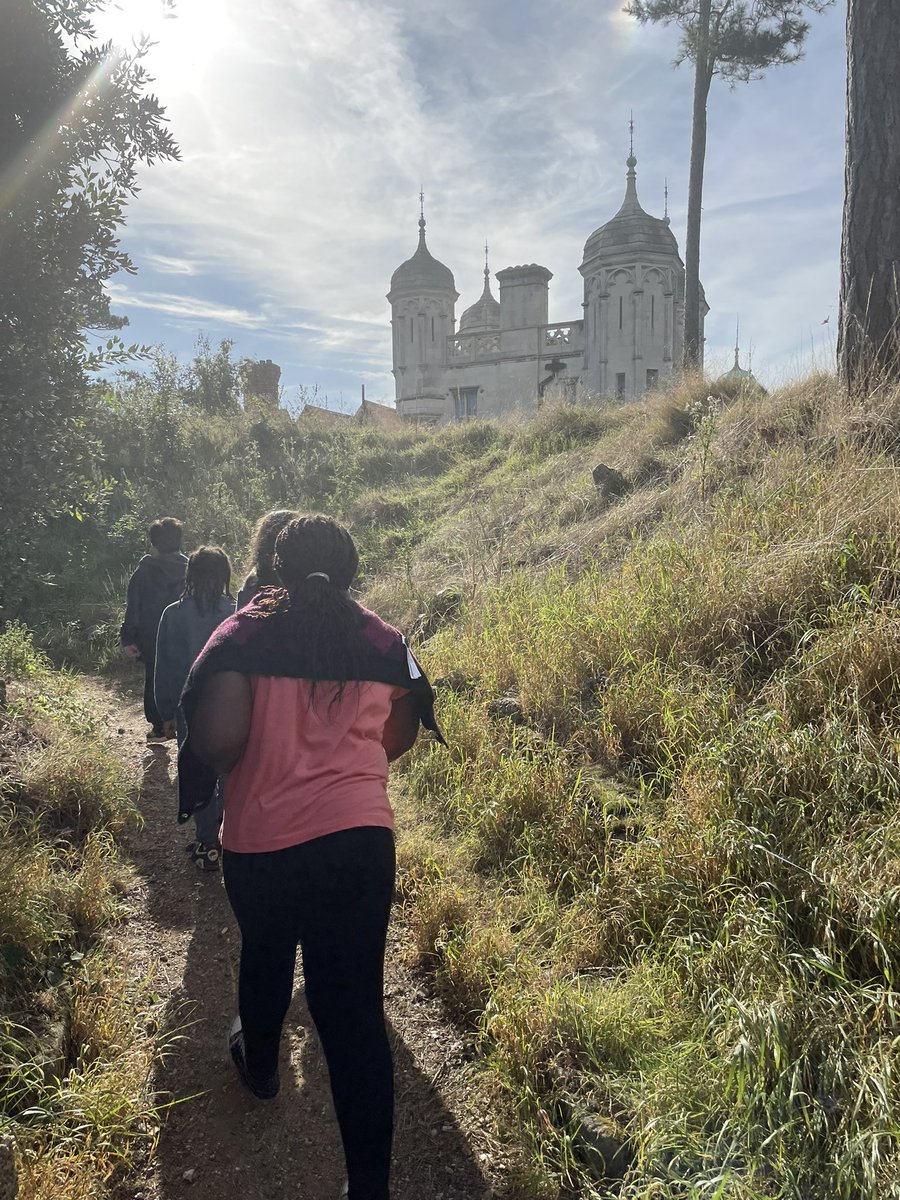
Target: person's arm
(221, 724)
(401, 728)
(167, 678)
(128, 635)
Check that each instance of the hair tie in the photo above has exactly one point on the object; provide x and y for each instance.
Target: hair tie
(319, 575)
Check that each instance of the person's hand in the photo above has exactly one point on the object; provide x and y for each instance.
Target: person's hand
(169, 729)
(130, 651)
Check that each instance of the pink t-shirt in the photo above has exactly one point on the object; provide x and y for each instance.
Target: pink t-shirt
(308, 769)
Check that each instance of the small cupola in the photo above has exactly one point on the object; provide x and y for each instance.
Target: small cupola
(484, 314)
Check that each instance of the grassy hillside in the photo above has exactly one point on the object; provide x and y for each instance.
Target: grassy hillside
(657, 868)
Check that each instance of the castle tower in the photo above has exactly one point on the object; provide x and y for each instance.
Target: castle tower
(633, 300)
(422, 299)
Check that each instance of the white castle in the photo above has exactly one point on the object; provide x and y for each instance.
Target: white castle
(506, 354)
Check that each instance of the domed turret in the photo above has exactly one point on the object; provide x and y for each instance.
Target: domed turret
(484, 314)
(422, 272)
(633, 299)
(631, 233)
(737, 377)
(422, 299)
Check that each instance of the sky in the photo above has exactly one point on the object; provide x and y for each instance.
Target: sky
(307, 128)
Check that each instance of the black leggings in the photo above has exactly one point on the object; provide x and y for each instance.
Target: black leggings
(333, 897)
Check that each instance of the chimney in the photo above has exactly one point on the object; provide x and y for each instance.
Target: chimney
(524, 298)
(261, 384)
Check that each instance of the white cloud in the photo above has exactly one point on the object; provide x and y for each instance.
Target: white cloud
(186, 307)
(170, 266)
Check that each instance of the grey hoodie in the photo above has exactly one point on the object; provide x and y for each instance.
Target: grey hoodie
(183, 632)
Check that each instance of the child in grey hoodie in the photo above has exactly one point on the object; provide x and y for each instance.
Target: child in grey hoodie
(184, 629)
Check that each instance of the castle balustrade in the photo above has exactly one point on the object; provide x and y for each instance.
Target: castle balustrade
(567, 335)
(427, 409)
(464, 347)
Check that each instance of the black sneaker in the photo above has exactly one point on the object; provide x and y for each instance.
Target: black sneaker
(156, 734)
(262, 1089)
(205, 858)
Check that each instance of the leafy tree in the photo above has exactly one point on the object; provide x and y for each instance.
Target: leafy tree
(736, 40)
(214, 378)
(869, 340)
(76, 120)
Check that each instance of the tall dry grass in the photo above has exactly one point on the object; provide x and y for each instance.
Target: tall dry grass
(76, 1033)
(660, 879)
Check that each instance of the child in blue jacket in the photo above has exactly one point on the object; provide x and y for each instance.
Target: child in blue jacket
(184, 629)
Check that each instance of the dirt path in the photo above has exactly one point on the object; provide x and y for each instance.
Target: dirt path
(217, 1141)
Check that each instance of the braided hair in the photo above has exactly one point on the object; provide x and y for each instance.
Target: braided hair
(208, 577)
(317, 561)
(260, 557)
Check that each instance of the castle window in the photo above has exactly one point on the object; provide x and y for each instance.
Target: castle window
(652, 379)
(410, 329)
(466, 403)
(652, 318)
(432, 328)
(621, 311)
(620, 381)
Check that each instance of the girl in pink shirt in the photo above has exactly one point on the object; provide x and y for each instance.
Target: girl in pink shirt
(303, 698)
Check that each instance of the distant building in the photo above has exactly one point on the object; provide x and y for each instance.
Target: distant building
(261, 379)
(323, 417)
(377, 416)
(506, 354)
(739, 378)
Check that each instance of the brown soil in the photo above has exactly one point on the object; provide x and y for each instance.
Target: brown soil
(217, 1141)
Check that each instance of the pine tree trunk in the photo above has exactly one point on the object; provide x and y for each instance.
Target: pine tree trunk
(693, 348)
(869, 339)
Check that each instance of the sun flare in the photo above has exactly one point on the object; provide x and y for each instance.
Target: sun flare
(184, 34)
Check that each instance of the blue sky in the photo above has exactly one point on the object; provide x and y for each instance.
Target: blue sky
(307, 126)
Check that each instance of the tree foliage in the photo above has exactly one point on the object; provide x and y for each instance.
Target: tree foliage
(745, 38)
(738, 40)
(76, 120)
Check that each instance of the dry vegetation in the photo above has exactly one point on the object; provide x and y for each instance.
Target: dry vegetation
(657, 869)
(75, 1043)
